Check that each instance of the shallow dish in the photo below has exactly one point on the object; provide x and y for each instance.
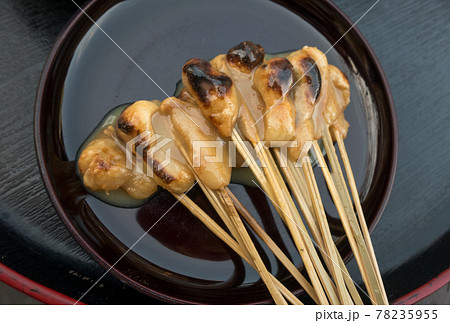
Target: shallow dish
(87, 75)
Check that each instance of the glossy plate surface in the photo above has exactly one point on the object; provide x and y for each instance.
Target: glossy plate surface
(179, 260)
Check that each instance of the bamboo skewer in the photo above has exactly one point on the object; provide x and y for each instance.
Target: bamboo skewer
(315, 232)
(214, 200)
(278, 192)
(297, 237)
(224, 216)
(245, 254)
(357, 201)
(248, 244)
(280, 187)
(326, 234)
(299, 178)
(292, 176)
(306, 185)
(339, 206)
(273, 246)
(278, 253)
(331, 256)
(350, 223)
(292, 219)
(235, 225)
(225, 237)
(254, 167)
(312, 224)
(274, 186)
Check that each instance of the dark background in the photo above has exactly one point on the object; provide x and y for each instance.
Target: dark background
(412, 41)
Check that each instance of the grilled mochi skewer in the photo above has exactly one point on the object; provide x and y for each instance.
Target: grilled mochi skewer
(240, 64)
(299, 237)
(253, 76)
(244, 63)
(321, 110)
(306, 93)
(103, 167)
(214, 92)
(137, 120)
(272, 81)
(191, 125)
(103, 163)
(185, 117)
(330, 112)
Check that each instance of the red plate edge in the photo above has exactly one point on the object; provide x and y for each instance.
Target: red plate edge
(50, 296)
(424, 290)
(33, 289)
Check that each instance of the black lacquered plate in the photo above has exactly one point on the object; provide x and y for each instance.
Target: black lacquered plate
(87, 75)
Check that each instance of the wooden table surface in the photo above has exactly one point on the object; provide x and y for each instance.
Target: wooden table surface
(412, 41)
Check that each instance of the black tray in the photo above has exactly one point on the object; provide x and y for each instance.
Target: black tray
(411, 240)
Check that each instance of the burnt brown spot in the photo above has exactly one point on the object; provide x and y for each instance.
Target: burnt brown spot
(165, 177)
(280, 74)
(246, 56)
(311, 75)
(206, 81)
(125, 126)
(144, 145)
